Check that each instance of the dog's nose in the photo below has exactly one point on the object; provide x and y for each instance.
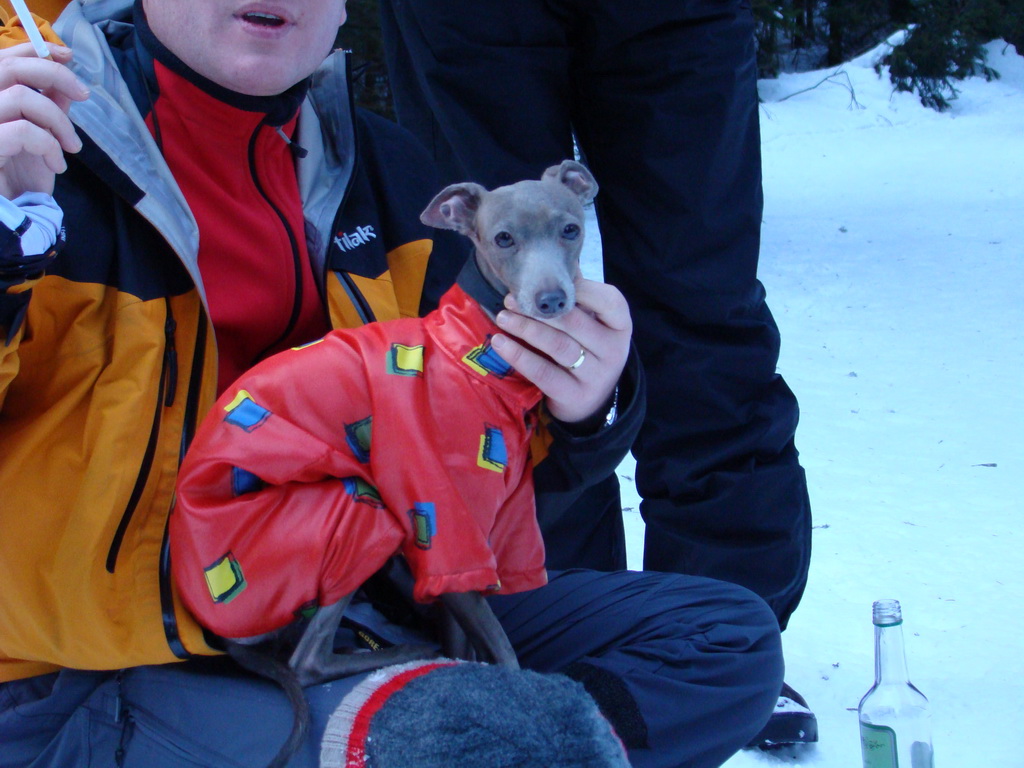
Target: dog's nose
(550, 302)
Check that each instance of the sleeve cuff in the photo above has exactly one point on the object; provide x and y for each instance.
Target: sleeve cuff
(622, 412)
(36, 218)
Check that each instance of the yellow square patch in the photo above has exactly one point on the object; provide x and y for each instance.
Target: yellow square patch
(405, 361)
(224, 579)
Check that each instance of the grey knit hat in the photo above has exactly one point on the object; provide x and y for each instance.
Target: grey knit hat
(442, 713)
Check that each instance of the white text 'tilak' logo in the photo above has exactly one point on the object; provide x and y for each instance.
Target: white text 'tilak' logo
(347, 241)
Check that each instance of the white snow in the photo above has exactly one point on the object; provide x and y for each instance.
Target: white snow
(893, 257)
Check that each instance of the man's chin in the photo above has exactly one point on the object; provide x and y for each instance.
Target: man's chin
(261, 80)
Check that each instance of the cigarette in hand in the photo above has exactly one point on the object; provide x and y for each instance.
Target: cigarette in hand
(29, 23)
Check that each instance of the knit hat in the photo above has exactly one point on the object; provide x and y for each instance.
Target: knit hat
(436, 714)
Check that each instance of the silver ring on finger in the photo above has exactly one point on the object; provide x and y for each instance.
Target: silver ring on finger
(579, 360)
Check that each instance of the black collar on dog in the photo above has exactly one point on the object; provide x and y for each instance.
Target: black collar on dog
(475, 285)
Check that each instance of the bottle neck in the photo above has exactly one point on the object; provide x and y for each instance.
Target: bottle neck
(890, 657)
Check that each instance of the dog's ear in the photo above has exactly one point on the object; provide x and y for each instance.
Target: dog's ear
(455, 208)
(576, 177)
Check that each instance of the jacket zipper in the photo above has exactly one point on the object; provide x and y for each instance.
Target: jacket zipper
(362, 306)
(164, 398)
(296, 255)
(190, 419)
(170, 357)
(189, 424)
(191, 415)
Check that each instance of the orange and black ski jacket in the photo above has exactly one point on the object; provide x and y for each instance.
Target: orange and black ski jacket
(108, 359)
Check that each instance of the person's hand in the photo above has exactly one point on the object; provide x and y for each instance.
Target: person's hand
(597, 332)
(35, 130)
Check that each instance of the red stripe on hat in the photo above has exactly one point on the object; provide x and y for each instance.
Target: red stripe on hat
(355, 756)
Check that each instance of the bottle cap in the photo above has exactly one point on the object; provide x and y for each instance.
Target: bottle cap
(886, 613)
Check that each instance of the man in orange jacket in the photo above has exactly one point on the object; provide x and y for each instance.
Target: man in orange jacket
(206, 163)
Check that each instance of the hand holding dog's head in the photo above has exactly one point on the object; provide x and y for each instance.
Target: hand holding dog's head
(527, 235)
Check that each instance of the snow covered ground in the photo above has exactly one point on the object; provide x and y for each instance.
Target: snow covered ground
(893, 257)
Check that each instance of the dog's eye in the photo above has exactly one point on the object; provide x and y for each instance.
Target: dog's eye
(571, 231)
(504, 240)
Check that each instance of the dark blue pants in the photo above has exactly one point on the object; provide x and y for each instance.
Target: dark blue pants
(687, 669)
(661, 97)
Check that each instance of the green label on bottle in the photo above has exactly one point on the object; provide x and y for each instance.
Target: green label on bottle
(878, 746)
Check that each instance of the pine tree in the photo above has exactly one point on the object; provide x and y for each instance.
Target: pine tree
(772, 28)
(946, 45)
(1001, 19)
(854, 26)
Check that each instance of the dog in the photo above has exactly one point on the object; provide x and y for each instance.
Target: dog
(388, 455)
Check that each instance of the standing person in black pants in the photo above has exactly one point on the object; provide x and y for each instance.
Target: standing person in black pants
(661, 100)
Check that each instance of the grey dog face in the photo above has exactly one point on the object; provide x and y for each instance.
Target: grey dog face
(527, 235)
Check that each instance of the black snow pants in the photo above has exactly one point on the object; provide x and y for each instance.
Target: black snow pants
(661, 99)
(686, 669)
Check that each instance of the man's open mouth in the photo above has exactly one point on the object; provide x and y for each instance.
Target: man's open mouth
(263, 19)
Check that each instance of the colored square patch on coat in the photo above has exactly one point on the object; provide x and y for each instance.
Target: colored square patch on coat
(362, 492)
(243, 481)
(424, 523)
(358, 435)
(244, 412)
(484, 360)
(225, 579)
(493, 453)
(405, 361)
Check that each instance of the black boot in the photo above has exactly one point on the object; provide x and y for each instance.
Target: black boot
(792, 722)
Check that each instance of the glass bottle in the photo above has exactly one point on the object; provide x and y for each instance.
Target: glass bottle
(895, 722)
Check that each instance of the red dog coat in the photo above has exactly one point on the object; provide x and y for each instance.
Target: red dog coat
(320, 463)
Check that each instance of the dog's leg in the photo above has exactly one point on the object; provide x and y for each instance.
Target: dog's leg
(315, 661)
(455, 644)
(267, 665)
(317, 641)
(475, 618)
